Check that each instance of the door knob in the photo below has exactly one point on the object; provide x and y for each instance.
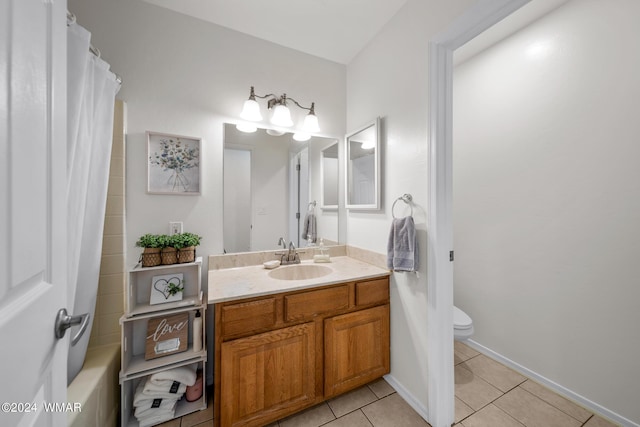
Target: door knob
(64, 322)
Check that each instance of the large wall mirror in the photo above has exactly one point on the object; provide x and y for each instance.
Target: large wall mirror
(272, 185)
(363, 167)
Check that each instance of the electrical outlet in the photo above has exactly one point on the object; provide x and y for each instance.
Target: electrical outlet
(175, 227)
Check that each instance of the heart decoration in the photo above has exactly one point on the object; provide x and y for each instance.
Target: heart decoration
(162, 285)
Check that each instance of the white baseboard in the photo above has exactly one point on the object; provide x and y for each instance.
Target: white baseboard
(561, 390)
(408, 397)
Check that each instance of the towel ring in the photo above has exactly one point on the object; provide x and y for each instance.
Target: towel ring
(407, 198)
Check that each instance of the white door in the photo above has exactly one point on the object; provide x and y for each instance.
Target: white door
(32, 211)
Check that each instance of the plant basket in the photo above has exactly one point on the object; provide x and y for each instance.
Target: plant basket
(187, 254)
(150, 257)
(169, 255)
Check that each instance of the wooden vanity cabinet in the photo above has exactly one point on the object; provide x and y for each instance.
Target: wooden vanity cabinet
(278, 354)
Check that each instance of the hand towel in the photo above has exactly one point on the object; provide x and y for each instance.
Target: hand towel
(309, 227)
(402, 247)
(184, 375)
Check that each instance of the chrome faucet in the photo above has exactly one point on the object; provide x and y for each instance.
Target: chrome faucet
(292, 254)
(283, 243)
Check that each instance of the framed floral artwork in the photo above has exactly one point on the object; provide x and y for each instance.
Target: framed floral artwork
(173, 165)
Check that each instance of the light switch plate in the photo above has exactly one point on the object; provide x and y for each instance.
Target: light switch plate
(175, 227)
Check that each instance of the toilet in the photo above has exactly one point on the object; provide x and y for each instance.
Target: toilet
(462, 325)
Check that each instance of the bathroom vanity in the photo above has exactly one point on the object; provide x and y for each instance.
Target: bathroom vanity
(285, 344)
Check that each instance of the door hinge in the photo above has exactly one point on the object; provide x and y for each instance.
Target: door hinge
(297, 215)
(451, 256)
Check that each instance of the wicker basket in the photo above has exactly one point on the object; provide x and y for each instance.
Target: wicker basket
(151, 257)
(187, 254)
(169, 256)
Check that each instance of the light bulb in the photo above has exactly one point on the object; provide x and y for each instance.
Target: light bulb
(246, 127)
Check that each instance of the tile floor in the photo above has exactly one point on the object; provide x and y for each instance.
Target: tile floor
(488, 394)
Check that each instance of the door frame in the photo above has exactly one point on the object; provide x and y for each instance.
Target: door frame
(441, 385)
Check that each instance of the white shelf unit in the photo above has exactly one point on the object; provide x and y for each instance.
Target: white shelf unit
(139, 287)
(134, 323)
(182, 408)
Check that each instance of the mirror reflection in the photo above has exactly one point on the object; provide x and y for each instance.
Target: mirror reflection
(329, 177)
(272, 189)
(363, 164)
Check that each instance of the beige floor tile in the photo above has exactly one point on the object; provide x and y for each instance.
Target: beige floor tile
(354, 419)
(565, 405)
(597, 421)
(393, 411)
(491, 416)
(462, 352)
(462, 410)
(532, 411)
(381, 388)
(312, 417)
(473, 390)
(496, 374)
(351, 401)
(173, 423)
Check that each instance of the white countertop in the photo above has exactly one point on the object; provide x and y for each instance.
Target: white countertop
(246, 282)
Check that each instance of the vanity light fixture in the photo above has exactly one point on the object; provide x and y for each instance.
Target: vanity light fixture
(281, 115)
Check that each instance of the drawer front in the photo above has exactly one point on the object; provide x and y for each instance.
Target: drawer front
(248, 316)
(372, 292)
(309, 304)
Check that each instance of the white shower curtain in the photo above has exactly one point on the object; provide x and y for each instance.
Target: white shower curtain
(91, 91)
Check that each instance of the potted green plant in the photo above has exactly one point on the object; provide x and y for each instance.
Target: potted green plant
(169, 253)
(152, 245)
(186, 244)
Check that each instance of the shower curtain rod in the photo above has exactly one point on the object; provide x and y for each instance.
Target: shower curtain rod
(71, 19)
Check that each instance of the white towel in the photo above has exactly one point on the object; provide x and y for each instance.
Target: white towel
(166, 388)
(402, 248)
(140, 395)
(309, 227)
(184, 375)
(146, 407)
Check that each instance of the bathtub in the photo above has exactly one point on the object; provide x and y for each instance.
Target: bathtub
(96, 389)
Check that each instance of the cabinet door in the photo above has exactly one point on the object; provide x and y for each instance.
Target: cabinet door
(267, 376)
(356, 349)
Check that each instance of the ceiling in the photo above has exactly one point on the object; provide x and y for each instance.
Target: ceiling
(336, 30)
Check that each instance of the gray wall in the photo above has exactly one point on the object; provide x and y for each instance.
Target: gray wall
(547, 199)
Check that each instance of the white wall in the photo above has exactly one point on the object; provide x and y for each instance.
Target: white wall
(187, 77)
(547, 199)
(389, 79)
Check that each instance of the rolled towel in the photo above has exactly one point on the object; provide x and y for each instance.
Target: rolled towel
(184, 375)
(165, 388)
(141, 396)
(402, 247)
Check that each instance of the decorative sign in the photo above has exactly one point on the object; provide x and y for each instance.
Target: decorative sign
(167, 335)
(166, 288)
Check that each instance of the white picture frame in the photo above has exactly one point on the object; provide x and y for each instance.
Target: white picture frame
(173, 164)
(159, 288)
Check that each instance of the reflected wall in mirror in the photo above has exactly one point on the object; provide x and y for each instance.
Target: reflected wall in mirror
(329, 177)
(270, 184)
(363, 167)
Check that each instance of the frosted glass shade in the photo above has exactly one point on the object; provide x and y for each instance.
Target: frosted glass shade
(299, 136)
(310, 124)
(251, 111)
(246, 127)
(281, 116)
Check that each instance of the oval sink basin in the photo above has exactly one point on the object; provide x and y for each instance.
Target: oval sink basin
(300, 272)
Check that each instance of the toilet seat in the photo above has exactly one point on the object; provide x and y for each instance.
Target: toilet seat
(461, 320)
